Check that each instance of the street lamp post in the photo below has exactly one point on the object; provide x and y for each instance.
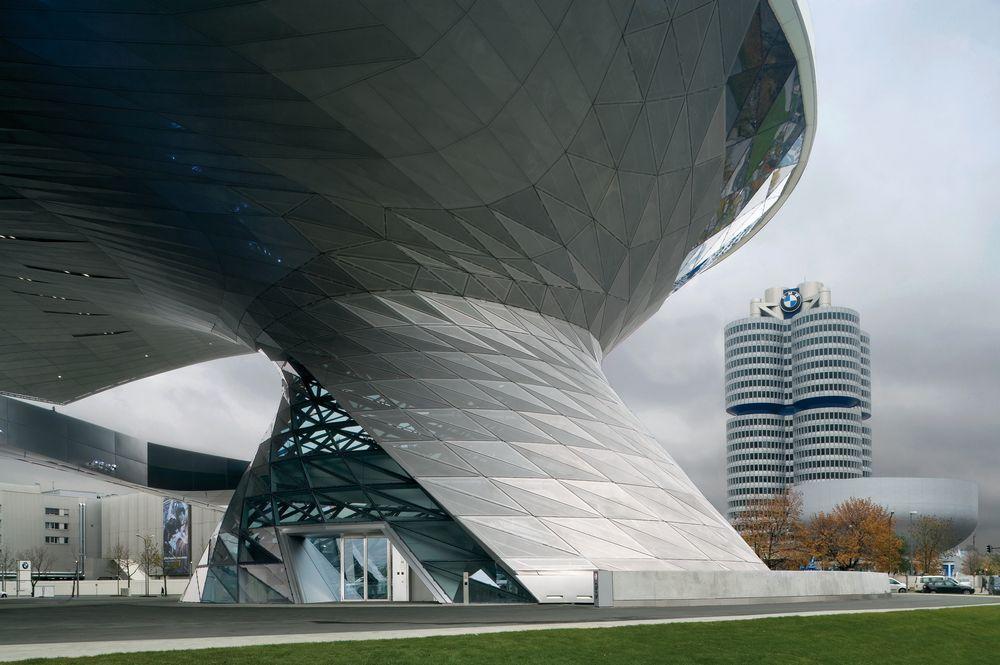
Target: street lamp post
(891, 513)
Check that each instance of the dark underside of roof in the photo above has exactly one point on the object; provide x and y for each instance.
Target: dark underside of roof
(183, 180)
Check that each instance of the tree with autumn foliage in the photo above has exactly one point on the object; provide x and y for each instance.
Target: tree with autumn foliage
(856, 535)
(975, 563)
(772, 528)
(928, 536)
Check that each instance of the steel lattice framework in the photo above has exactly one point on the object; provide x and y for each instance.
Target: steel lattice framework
(321, 467)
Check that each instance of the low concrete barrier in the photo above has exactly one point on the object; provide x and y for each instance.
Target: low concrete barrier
(728, 587)
(175, 586)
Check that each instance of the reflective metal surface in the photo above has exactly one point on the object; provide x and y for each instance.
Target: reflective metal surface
(188, 181)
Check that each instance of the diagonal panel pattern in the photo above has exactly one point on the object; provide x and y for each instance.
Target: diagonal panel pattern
(320, 467)
(551, 455)
(221, 167)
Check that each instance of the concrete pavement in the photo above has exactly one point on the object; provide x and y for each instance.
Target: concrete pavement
(29, 627)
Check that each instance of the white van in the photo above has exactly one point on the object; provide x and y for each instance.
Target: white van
(919, 582)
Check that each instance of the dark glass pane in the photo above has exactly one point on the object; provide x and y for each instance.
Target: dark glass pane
(346, 505)
(329, 548)
(287, 476)
(341, 476)
(259, 512)
(329, 471)
(253, 590)
(378, 568)
(354, 568)
(295, 508)
(221, 583)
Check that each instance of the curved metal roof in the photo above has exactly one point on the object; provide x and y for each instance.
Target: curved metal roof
(181, 184)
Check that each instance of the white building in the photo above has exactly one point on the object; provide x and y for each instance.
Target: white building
(75, 531)
(798, 388)
(65, 526)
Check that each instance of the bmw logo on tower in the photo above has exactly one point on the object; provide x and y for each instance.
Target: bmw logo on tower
(791, 300)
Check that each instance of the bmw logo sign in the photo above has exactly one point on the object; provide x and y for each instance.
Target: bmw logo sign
(791, 300)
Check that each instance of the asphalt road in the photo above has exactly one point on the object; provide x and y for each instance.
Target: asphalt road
(37, 621)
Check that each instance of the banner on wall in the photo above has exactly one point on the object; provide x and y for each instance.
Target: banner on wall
(176, 537)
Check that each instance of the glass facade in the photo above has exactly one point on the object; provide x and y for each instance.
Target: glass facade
(320, 467)
(54, 436)
(457, 426)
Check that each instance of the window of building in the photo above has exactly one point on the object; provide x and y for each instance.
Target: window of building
(56, 540)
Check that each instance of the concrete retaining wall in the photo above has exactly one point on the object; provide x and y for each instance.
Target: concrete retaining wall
(627, 588)
(175, 586)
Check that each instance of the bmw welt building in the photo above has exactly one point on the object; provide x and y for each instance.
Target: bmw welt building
(437, 218)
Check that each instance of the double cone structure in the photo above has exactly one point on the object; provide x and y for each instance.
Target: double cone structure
(438, 217)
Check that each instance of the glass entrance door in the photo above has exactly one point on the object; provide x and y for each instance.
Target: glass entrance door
(366, 567)
(377, 570)
(354, 568)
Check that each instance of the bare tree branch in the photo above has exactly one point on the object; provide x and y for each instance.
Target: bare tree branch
(121, 557)
(41, 562)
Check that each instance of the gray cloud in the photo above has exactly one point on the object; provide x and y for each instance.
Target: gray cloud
(896, 213)
(224, 407)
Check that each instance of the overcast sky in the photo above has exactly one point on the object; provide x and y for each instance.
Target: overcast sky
(896, 212)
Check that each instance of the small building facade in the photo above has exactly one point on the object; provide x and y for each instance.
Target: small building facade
(66, 533)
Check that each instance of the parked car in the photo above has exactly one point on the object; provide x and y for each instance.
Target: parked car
(919, 582)
(948, 585)
(895, 586)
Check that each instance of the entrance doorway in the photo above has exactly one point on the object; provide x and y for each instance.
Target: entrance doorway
(366, 567)
(348, 568)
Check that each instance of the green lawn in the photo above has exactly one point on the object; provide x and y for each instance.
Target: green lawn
(967, 635)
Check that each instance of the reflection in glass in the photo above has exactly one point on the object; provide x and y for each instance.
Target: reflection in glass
(331, 471)
(354, 568)
(764, 141)
(329, 547)
(378, 568)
